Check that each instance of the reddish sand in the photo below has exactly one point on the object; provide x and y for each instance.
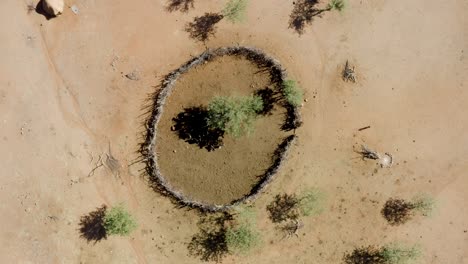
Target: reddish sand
(64, 100)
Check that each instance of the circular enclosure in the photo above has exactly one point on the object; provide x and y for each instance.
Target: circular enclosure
(209, 169)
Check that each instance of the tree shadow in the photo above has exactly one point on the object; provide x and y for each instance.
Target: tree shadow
(179, 5)
(283, 208)
(204, 26)
(210, 243)
(269, 98)
(303, 13)
(191, 126)
(397, 211)
(92, 225)
(365, 255)
(292, 121)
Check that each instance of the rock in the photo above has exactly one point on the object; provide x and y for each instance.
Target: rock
(134, 76)
(75, 9)
(53, 7)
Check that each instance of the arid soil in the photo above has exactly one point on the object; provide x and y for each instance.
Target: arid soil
(228, 173)
(67, 107)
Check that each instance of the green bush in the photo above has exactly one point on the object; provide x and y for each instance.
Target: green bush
(241, 239)
(246, 215)
(397, 254)
(311, 202)
(235, 10)
(424, 204)
(292, 93)
(336, 5)
(234, 115)
(117, 221)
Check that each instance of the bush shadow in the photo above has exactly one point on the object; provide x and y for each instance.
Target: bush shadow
(179, 5)
(92, 225)
(209, 244)
(303, 13)
(191, 126)
(204, 26)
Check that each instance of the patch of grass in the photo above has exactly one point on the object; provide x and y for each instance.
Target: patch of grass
(242, 238)
(235, 10)
(246, 215)
(234, 115)
(118, 221)
(398, 254)
(311, 202)
(339, 5)
(424, 204)
(292, 93)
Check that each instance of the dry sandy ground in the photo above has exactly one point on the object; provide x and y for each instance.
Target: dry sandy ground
(62, 105)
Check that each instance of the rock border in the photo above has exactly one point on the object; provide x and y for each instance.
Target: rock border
(293, 121)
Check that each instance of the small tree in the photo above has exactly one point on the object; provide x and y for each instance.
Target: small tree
(399, 211)
(235, 10)
(117, 221)
(234, 115)
(336, 5)
(292, 93)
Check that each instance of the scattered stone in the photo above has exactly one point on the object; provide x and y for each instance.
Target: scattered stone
(53, 7)
(134, 76)
(349, 75)
(75, 9)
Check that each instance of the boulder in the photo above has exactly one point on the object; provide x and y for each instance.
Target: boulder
(53, 7)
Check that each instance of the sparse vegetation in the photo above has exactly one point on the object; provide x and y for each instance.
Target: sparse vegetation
(292, 93)
(289, 207)
(205, 26)
(388, 254)
(242, 238)
(224, 233)
(399, 211)
(311, 202)
(338, 5)
(235, 10)
(398, 254)
(234, 115)
(118, 221)
(306, 10)
(423, 204)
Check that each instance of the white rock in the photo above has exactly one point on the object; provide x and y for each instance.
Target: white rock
(53, 7)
